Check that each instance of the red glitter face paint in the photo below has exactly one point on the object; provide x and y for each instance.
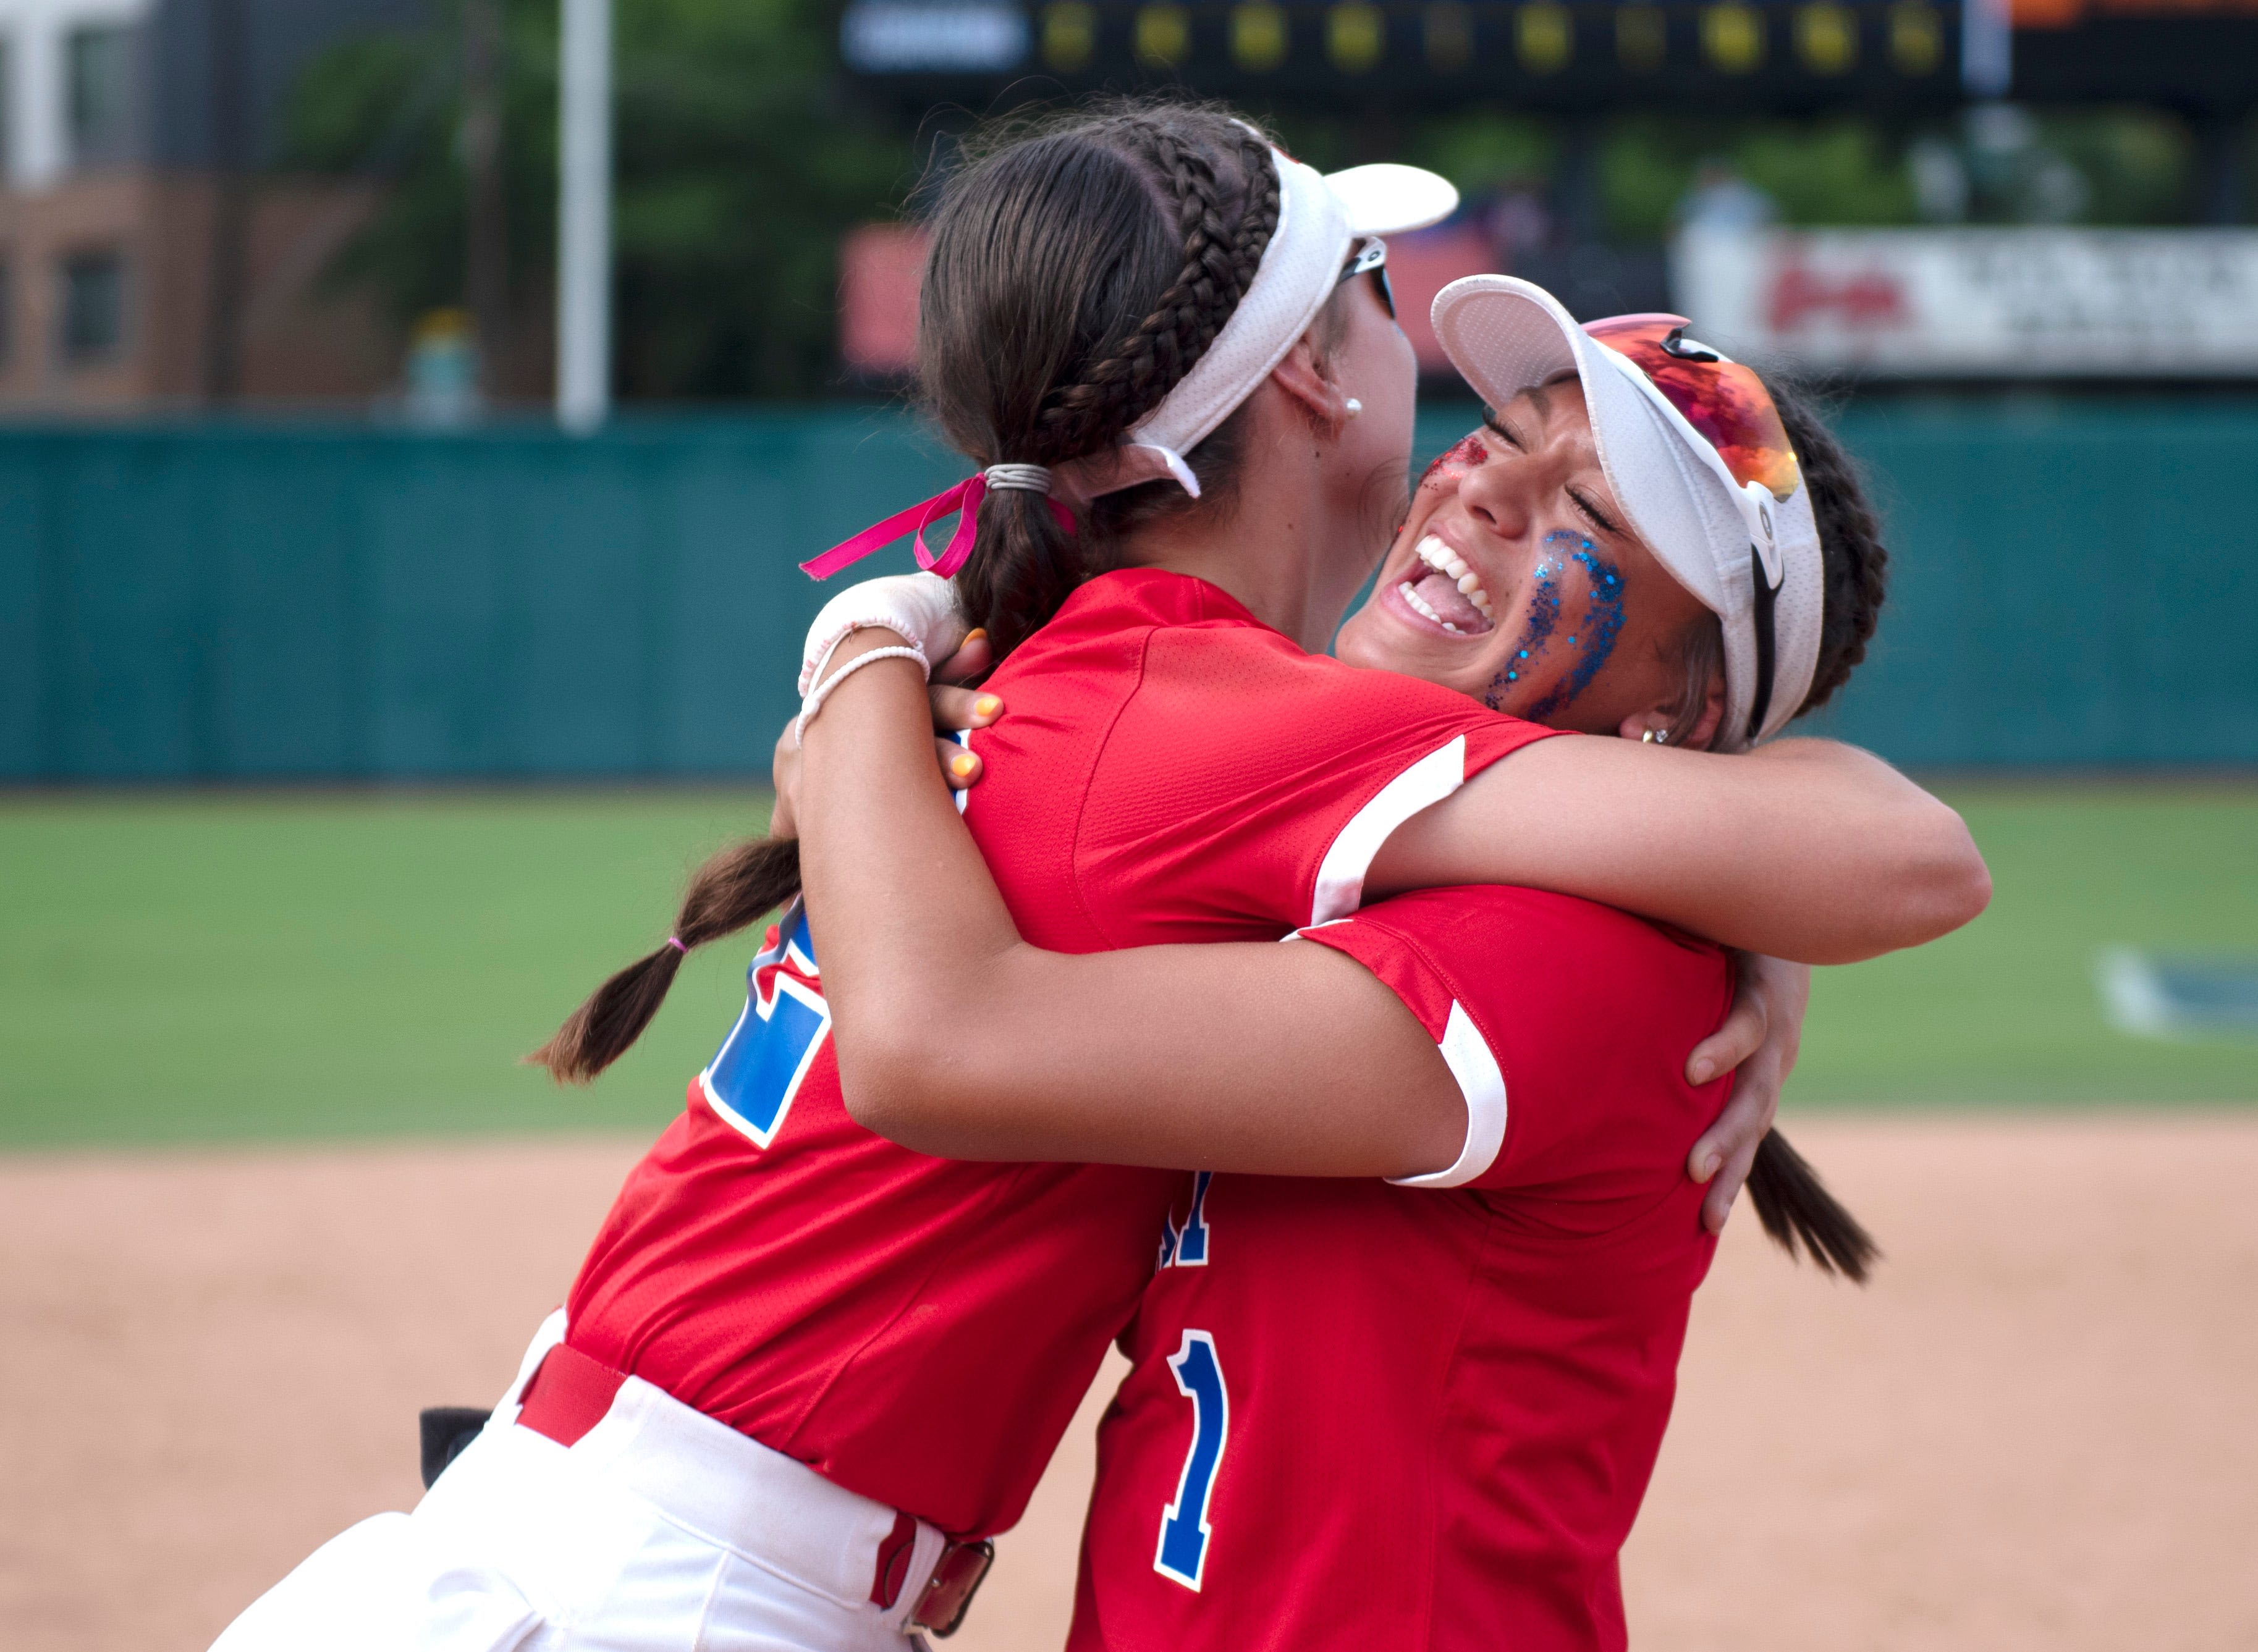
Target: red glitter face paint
(1453, 465)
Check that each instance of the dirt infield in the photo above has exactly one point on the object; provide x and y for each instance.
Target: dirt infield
(2032, 1433)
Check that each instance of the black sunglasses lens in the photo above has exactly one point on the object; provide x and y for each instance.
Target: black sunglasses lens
(1387, 293)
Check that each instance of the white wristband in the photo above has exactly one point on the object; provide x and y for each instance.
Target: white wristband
(919, 608)
(813, 703)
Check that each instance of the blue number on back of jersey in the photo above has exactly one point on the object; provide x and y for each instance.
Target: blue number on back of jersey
(1184, 1529)
(753, 1078)
(1187, 1246)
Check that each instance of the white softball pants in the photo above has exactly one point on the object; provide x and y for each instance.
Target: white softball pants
(659, 1530)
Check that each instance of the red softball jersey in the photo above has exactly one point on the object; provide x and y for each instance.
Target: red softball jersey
(1368, 1416)
(921, 1330)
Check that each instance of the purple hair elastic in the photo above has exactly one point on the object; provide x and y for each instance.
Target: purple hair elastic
(675, 941)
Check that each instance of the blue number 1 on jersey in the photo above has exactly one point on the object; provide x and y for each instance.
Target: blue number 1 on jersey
(753, 1078)
(1184, 1530)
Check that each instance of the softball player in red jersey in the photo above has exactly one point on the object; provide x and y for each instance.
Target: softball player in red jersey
(801, 1363)
(1362, 1415)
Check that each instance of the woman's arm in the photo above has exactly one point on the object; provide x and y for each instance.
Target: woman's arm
(1272, 1062)
(956, 1037)
(1804, 849)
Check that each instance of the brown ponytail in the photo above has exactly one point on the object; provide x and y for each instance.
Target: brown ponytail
(736, 889)
(1079, 269)
(1794, 1207)
(1792, 1202)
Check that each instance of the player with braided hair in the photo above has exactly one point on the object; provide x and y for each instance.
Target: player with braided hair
(803, 1372)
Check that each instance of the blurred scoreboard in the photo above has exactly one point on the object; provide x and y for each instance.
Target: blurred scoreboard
(1540, 54)
(1729, 56)
(2197, 56)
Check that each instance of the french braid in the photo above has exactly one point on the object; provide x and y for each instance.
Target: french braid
(1079, 271)
(1219, 264)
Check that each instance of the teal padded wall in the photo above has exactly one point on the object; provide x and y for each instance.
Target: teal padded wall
(290, 603)
(2072, 587)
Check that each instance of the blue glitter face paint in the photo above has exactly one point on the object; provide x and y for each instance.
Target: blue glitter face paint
(1593, 639)
(1535, 629)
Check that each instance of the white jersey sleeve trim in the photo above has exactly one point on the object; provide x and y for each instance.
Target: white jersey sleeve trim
(1340, 877)
(1471, 1062)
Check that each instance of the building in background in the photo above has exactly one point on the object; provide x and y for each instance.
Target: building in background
(144, 259)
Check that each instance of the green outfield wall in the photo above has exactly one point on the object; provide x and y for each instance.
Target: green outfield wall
(2075, 584)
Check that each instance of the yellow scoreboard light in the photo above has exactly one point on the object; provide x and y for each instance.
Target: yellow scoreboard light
(1163, 36)
(1069, 35)
(1916, 37)
(1356, 37)
(1544, 37)
(1827, 38)
(1259, 36)
(1733, 38)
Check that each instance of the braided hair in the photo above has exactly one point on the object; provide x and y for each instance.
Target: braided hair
(1079, 269)
(1856, 562)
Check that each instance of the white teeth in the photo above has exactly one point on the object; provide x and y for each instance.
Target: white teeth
(1444, 560)
(1412, 597)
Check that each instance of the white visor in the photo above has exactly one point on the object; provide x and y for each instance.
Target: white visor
(1507, 336)
(1320, 218)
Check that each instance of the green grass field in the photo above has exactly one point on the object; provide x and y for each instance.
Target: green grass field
(211, 967)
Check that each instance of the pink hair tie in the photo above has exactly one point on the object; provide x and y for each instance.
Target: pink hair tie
(963, 499)
(675, 941)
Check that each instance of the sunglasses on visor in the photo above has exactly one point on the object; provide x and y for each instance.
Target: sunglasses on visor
(1370, 257)
(1736, 431)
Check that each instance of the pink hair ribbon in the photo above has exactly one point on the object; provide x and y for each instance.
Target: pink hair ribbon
(963, 499)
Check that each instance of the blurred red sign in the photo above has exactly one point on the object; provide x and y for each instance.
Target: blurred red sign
(1980, 303)
(881, 263)
(880, 266)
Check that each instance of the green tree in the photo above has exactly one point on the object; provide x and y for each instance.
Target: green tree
(1836, 171)
(740, 165)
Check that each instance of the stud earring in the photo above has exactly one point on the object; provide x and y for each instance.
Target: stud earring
(1655, 737)
(1353, 407)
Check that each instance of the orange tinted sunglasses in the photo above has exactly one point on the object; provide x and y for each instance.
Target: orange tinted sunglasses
(1725, 402)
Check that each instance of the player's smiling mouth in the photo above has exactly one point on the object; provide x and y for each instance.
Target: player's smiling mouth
(1448, 592)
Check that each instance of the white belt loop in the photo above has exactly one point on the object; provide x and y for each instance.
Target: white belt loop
(551, 1334)
(924, 1555)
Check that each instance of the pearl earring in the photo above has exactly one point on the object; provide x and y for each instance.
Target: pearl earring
(1353, 407)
